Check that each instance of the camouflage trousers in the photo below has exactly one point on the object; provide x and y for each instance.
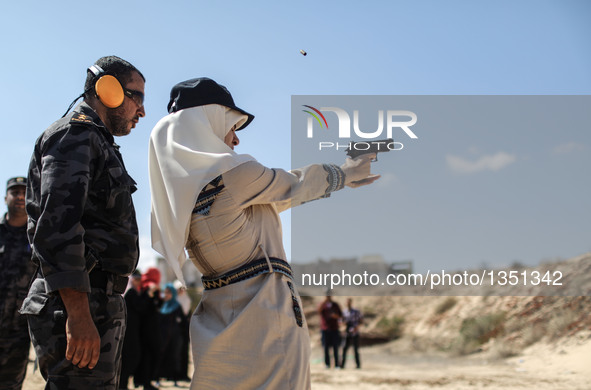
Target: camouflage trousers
(14, 357)
(47, 324)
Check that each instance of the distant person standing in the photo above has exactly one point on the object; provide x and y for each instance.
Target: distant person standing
(151, 301)
(132, 345)
(330, 314)
(172, 325)
(352, 318)
(17, 271)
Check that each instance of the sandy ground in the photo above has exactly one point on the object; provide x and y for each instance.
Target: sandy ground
(543, 367)
(556, 330)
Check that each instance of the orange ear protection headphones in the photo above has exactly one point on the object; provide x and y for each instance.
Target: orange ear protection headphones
(107, 88)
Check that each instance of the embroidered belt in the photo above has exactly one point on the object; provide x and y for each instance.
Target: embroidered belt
(250, 270)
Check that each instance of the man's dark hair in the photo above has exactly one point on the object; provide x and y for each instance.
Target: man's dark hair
(114, 66)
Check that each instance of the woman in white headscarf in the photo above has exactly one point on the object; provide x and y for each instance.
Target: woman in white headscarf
(248, 331)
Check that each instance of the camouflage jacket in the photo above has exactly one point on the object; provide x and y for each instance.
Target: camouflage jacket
(79, 203)
(17, 271)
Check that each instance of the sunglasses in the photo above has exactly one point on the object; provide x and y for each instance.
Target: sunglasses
(136, 96)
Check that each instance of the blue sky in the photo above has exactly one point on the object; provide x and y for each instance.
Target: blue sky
(490, 180)
(354, 48)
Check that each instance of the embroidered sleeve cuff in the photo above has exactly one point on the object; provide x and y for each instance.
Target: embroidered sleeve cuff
(335, 178)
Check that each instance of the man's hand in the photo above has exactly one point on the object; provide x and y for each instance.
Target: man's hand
(84, 342)
(358, 171)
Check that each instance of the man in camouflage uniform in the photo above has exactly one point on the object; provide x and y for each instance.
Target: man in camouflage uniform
(17, 271)
(84, 236)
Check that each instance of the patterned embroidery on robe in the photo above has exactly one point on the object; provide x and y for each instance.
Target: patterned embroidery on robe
(208, 195)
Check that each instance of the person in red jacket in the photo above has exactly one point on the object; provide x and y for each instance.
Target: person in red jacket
(330, 315)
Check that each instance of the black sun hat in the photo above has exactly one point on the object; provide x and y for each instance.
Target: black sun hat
(16, 181)
(200, 92)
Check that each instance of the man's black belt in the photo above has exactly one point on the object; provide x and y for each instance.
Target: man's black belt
(247, 271)
(111, 283)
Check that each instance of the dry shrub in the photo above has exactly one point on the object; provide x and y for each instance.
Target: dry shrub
(483, 328)
(446, 305)
(560, 323)
(391, 327)
(533, 334)
(476, 331)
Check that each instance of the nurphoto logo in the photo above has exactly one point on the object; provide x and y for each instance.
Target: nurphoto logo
(394, 119)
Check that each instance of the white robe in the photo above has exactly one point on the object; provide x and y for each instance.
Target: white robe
(245, 335)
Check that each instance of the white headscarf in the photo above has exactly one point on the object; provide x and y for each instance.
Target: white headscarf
(186, 152)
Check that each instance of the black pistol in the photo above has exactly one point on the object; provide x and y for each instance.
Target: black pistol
(358, 148)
